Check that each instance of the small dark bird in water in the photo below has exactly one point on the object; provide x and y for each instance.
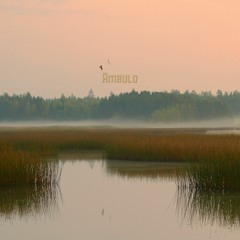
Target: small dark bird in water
(101, 67)
(102, 211)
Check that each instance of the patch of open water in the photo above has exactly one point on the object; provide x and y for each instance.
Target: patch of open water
(98, 199)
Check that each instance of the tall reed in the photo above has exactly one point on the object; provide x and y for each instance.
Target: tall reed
(21, 168)
(217, 167)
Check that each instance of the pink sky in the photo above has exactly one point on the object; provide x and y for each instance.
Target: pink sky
(49, 47)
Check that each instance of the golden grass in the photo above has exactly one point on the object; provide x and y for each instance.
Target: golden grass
(217, 156)
(132, 144)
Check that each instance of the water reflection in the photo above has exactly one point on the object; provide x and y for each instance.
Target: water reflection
(99, 190)
(146, 170)
(80, 155)
(119, 200)
(193, 207)
(29, 202)
(222, 208)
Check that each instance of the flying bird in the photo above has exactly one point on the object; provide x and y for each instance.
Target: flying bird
(101, 67)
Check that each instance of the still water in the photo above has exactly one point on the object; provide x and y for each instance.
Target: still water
(98, 199)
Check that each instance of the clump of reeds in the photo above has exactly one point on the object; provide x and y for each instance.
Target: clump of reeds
(215, 169)
(22, 168)
(214, 175)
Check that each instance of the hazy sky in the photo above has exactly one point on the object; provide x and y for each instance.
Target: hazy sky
(49, 47)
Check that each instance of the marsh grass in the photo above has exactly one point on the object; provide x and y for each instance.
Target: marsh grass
(27, 168)
(214, 160)
(217, 168)
(213, 175)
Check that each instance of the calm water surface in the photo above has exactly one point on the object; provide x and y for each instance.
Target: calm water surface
(99, 199)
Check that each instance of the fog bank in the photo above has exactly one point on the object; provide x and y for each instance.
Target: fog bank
(125, 123)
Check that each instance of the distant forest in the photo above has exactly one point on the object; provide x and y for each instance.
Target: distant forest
(151, 106)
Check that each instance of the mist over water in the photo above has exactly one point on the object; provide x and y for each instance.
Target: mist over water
(230, 123)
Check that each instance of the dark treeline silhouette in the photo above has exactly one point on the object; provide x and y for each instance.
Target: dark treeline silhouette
(155, 106)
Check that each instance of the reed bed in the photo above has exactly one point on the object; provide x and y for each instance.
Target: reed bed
(217, 174)
(26, 166)
(18, 168)
(214, 160)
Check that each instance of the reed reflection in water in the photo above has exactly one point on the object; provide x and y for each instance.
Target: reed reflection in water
(222, 208)
(146, 170)
(29, 202)
(193, 207)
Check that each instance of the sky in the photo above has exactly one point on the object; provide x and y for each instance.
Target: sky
(54, 47)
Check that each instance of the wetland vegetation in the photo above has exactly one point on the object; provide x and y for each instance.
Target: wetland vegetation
(111, 174)
(212, 160)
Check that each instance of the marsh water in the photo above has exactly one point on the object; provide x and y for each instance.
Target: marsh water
(101, 199)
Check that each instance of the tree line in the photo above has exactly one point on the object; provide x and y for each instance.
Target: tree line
(144, 105)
